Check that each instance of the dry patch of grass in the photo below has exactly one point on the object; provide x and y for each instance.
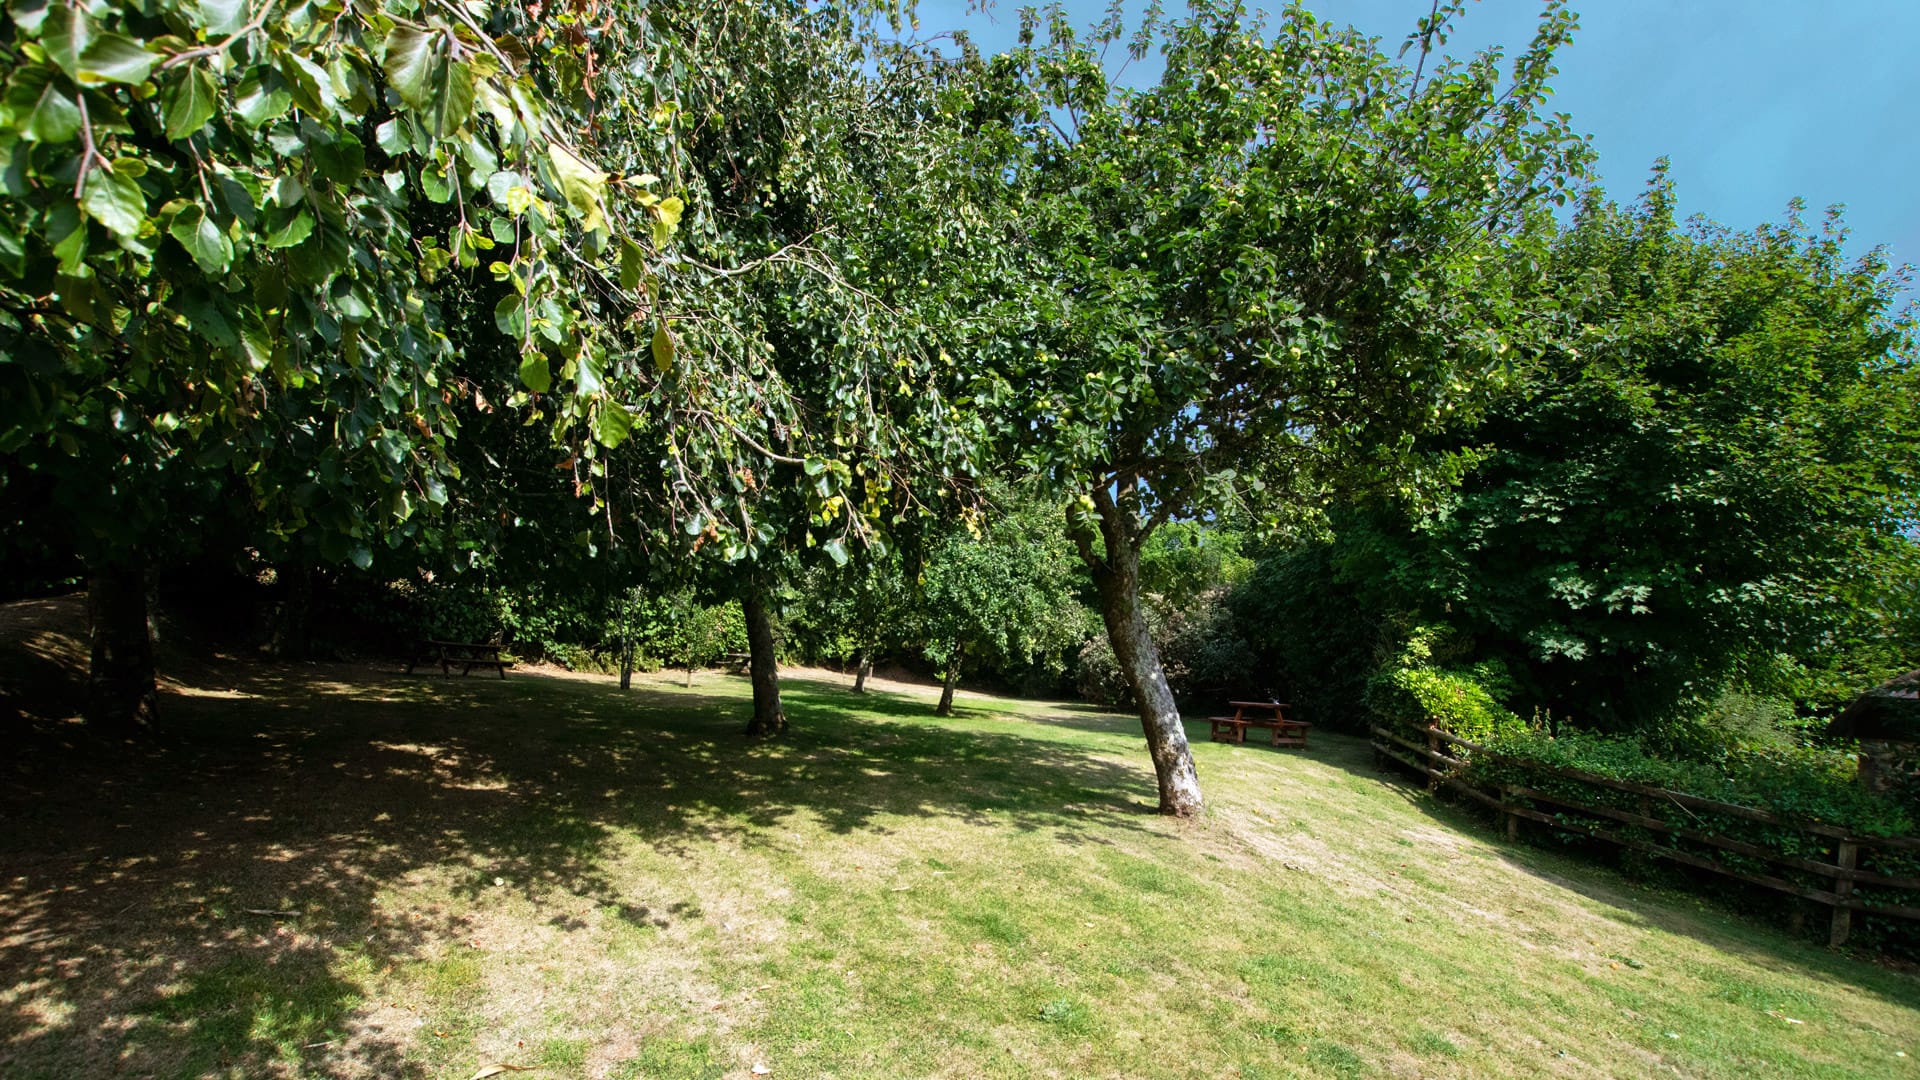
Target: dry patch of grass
(337, 872)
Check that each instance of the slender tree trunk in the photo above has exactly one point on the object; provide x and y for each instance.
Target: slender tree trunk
(121, 695)
(768, 717)
(689, 676)
(862, 669)
(626, 663)
(293, 622)
(1116, 575)
(952, 680)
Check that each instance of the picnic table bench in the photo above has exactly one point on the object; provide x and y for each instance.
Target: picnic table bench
(468, 654)
(1259, 714)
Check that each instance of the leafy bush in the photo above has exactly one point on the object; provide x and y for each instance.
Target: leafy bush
(1411, 690)
(1804, 783)
(1801, 785)
(1732, 722)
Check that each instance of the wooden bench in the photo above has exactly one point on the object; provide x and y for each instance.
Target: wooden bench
(737, 662)
(468, 654)
(1248, 714)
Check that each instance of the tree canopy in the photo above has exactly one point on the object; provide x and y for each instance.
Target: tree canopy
(616, 298)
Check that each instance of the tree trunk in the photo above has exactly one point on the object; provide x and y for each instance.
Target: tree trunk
(689, 676)
(1116, 576)
(293, 622)
(768, 717)
(626, 664)
(952, 680)
(863, 668)
(121, 696)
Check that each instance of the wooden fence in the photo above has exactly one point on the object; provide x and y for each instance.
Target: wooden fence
(1448, 769)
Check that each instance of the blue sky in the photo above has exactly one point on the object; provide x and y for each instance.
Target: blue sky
(1755, 101)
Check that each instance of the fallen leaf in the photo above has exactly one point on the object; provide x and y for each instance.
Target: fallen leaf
(760, 1069)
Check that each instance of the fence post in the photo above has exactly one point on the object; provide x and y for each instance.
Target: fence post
(1433, 748)
(1846, 855)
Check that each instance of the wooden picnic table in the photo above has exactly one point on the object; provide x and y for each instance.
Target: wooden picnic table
(1260, 714)
(469, 654)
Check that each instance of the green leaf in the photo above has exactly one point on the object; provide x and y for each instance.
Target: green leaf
(662, 349)
(435, 184)
(535, 372)
(67, 233)
(348, 301)
(187, 103)
(13, 253)
(510, 315)
(287, 140)
(612, 424)
(262, 98)
(320, 256)
(667, 218)
(114, 201)
(581, 184)
(311, 87)
(352, 84)
(510, 191)
(222, 16)
(342, 160)
(45, 112)
(203, 239)
(837, 549)
(392, 137)
(452, 98)
(28, 15)
(296, 229)
(361, 555)
(633, 265)
(115, 58)
(409, 63)
(66, 33)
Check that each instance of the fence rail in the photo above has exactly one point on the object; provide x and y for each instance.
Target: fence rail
(1448, 770)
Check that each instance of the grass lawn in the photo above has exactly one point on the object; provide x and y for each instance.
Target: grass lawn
(342, 872)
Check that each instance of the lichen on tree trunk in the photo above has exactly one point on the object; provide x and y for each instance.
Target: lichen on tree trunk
(864, 668)
(121, 695)
(1116, 577)
(768, 716)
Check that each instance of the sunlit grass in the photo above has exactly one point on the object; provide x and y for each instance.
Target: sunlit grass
(549, 873)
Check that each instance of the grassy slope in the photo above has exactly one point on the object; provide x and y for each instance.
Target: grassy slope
(548, 872)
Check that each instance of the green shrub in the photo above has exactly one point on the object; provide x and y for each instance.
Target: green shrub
(1411, 690)
(1800, 784)
(1733, 722)
(1803, 783)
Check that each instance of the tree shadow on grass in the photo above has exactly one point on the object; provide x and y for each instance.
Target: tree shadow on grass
(1587, 872)
(206, 903)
